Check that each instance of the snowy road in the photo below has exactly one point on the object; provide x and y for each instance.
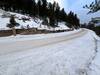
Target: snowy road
(67, 54)
(15, 46)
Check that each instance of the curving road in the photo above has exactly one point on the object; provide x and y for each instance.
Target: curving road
(9, 47)
(50, 56)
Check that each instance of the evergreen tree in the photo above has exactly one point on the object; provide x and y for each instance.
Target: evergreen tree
(51, 14)
(63, 15)
(57, 13)
(44, 8)
(34, 10)
(39, 6)
(73, 20)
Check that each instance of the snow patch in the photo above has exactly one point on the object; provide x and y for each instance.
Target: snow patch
(32, 23)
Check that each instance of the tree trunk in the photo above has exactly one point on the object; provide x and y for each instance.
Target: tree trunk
(14, 31)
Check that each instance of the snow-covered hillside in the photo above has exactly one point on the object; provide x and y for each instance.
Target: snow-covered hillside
(31, 22)
(68, 53)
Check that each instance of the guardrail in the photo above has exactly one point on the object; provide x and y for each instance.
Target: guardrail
(29, 31)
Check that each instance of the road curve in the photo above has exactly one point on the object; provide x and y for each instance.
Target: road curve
(6, 48)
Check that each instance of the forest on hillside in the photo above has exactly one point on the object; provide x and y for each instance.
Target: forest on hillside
(43, 10)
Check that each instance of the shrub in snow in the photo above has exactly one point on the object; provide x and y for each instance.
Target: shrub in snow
(13, 24)
(45, 22)
(25, 19)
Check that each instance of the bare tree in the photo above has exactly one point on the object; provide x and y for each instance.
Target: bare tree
(93, 7)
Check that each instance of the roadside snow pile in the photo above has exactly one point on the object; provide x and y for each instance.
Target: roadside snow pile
(94, 35)
(94, 68)
(95, 65)
(24, 21)
(71, 56)
(36, 36)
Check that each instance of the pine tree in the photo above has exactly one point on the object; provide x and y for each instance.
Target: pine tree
(51, 14)
(57, 13)
(34, 8)
(73, 20)
(63, 15)
(39, 6)
(44, 8)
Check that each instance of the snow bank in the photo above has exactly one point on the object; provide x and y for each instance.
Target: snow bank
(36, 36)
(95, 64)
(94, 35)
(94, 68)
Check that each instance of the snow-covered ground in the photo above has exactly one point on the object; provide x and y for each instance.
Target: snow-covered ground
(67, 53)
(36, 23)
(95, 65)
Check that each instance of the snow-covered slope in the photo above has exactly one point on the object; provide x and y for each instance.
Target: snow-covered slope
(67, 53)
(31, 23)
(1, 11)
